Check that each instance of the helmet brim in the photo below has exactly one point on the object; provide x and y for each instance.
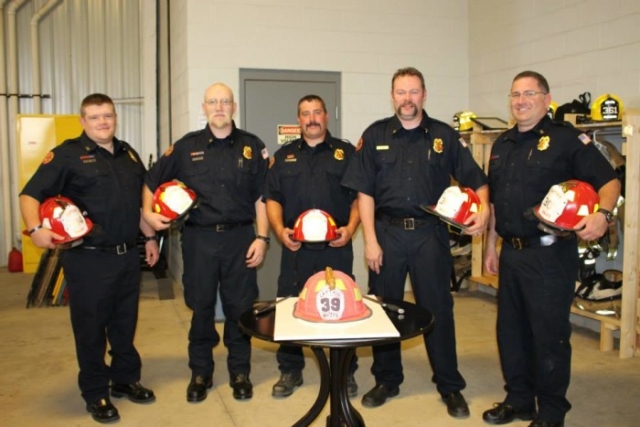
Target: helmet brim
(550, 224)
(432, 210)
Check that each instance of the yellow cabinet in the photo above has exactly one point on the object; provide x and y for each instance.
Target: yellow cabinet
(37, 134)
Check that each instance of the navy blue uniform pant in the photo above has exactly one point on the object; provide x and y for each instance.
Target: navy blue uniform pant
(534, 302)
(217, 261)
(104, 290)
(295, 270)
(423, 253)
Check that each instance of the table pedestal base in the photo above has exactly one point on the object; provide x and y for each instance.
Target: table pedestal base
(333, 384)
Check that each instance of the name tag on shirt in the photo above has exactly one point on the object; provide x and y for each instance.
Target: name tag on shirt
(382, 147)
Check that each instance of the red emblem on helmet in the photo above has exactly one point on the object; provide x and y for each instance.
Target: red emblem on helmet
(173, 199)
(566, 204)
(331, 296)
(315, 225)
(63, 217)
(455, 206)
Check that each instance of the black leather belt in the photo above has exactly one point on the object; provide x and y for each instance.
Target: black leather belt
(520, 243)
(219, 228)
(117, 249)
(406, 223)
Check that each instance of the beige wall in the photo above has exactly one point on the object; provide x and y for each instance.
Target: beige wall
(588, 45)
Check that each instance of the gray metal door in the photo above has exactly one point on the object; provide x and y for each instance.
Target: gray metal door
(269, 98)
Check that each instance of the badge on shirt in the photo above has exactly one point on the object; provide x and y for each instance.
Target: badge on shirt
(247, 152)
(543, 143)
(438, 145)
(290, 158)
(169, 151)
(132, 156)
(47, 158)
(338, 154)
(584, 138)
(265, 153)
(382, 147)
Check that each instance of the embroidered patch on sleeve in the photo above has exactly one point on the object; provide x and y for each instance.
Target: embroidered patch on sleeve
(47, 158)
(584, 138)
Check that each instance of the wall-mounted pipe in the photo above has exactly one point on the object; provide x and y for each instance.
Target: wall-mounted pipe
(5, 244)
(35, 53)
(14, 109)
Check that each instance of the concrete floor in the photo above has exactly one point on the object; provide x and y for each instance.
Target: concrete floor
(38, 373)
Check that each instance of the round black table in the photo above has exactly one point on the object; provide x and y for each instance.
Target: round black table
(334, 372)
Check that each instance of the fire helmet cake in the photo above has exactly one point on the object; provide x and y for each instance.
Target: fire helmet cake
(331, 296)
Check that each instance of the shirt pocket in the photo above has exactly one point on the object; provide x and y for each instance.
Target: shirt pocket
(95, 179)
(541, 167)
(197, 176)
(246, 171)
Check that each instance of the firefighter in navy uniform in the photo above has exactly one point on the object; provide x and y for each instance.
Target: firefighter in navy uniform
(102, 176)
(226, 167)
(538, 270)
(306, 174)
(400, 163)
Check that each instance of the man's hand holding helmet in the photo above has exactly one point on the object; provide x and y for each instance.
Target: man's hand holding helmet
(170, 203)
(44, 237)
(61, 224)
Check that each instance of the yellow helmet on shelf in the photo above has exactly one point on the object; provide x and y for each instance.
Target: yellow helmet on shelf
(607, 107)
(551, 112)
(462, 120)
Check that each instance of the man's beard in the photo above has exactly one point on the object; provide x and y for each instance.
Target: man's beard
(413, 115)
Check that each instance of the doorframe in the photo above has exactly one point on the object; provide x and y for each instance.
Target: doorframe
(248, 74)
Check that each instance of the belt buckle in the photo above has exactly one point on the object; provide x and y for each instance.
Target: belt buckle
(220, 228)
(409, 224)
(121, 249)
(517, 243)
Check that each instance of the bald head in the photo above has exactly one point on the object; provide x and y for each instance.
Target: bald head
(218, 106)
(218, 90)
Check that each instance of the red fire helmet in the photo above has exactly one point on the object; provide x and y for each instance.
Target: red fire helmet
(331, 296)
(173, 199)
(566, 204)
(315, 225)
(455, 206)
(63, 217)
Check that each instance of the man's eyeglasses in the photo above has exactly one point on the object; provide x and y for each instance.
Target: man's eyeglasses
(527, 94)
(225, 102)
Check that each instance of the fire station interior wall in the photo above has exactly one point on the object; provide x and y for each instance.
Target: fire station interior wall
(578, 45)
(37, 134)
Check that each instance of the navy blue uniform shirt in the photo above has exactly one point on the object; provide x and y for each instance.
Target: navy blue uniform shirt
(303, 177)
(227, 174)
(524, 165)
(402, 169)
(107, 186)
